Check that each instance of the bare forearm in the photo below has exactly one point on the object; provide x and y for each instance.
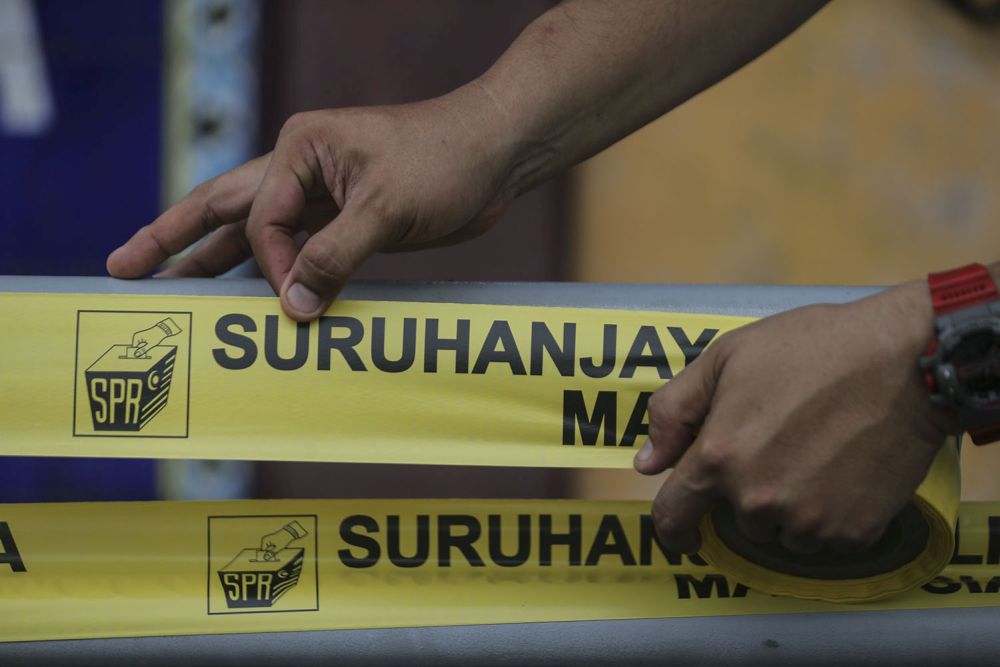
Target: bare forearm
(590, 72)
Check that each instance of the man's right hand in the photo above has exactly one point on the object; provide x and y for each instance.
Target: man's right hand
(356, 181)
(351, 182)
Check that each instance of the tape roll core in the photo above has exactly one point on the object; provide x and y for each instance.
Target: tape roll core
(917, 545)
(904, 540)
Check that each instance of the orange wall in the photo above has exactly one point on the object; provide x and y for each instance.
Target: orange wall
(863, 150)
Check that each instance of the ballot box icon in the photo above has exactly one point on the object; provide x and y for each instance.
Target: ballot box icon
(132, 374)
(256, 578)
(130, 384)
(262, 564)
(126, 391)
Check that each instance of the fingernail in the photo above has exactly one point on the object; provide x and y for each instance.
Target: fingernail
(645, 452)
(302, 299)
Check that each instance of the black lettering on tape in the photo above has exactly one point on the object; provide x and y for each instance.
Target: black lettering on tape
(393, 539)
(656, 358)
(610, 540)
(349, 528)
(464, 543)
(520, 556)
(272, 324)
(547, 539)
(960, 558)
(343, 344)
(563, 356)
(691, 350)
(10, 555)
(637, 424)
(409, 348)
(993, 547)
(971, 584)
(224, 332)
(434, 343)
(576, 417)
(499, 347)
(610, 347)
(942, 586)
(709, 586)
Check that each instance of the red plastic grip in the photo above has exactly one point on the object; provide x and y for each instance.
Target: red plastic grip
(962, 287)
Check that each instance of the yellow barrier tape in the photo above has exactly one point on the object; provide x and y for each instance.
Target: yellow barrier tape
(231, 378)
(169, 568)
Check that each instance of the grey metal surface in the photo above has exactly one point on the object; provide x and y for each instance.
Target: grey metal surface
(751, 300)
(952, 637)
(918, 637)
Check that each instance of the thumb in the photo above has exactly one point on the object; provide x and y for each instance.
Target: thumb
(676, 412)
(327, 260)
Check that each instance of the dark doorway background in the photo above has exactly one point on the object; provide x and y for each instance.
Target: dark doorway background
(319, 54)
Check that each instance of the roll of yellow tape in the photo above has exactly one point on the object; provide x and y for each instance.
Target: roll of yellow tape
(916, 546)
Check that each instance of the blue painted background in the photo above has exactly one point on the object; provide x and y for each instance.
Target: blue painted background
(70, 196)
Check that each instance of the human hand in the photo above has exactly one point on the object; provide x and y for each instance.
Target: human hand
(815, 424)
(274, 542)
(146, 339)
(354, 181)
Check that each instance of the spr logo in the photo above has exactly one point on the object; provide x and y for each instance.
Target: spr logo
(262, 564)
(132, 374)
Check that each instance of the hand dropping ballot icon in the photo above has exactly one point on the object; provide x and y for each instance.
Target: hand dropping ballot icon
(262, 564)
(130, 384)
(258, 577)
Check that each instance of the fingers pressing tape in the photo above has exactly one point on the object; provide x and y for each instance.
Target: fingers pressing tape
(327, 260)
(675, 414)
(277, 210)
(685, 497)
